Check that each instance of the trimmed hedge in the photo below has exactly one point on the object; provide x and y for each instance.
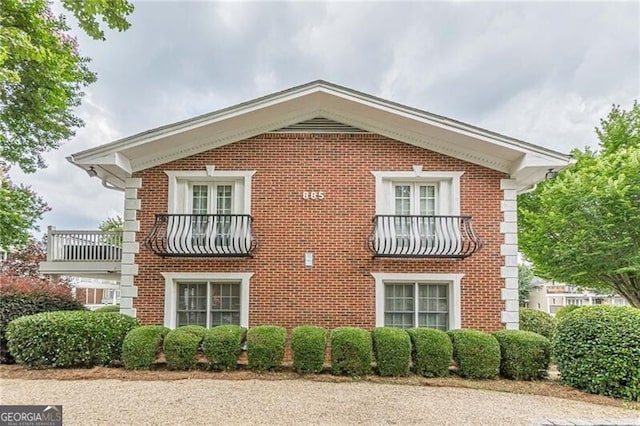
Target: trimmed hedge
(142, 346)
(562, 312)
(308, 346)
(392, 350)
(524, 355)
(477, 354)
(351, 350)
(108, 308)
(181, 347)
(68, 338)
(265, 347)
(222, 345)
(19, 302)
(537, 322)
(597, 349)
(431, 352)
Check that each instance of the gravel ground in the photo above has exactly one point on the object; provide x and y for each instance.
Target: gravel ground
(290, 402)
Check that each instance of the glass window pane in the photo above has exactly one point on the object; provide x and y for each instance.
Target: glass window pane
(226, 310)
(433, 306)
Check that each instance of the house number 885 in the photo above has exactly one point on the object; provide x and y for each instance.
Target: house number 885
(313, 195)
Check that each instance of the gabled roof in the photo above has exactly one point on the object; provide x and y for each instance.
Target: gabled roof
(114, 162)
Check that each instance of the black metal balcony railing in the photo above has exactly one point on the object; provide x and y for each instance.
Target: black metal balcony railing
(423, 236)
(201, 235)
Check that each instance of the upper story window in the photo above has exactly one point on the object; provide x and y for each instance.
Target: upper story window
(418, 215)
(208, 214)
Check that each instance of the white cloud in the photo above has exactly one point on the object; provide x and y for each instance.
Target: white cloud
(545, 72)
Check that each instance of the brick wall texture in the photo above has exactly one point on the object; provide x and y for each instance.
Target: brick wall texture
(338, 290)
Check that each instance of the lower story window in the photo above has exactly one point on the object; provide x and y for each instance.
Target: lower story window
(208, 304)
(408, 300)
(409, 305)
(208, 299)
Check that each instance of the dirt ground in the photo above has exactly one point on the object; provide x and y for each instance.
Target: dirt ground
(550, 387)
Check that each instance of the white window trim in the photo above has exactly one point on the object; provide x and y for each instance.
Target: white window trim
(449, 198)
(455, 311)
(171, 280)
(204, 176)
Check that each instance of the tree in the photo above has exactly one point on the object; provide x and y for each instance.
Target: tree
(20, 209)
(41, 80)
(24, 262)
(583, 227)
(525, 277)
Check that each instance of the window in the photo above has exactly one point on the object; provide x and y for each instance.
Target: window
(416, 305)
(414, 200)
(417, 193)
(208, 303)
(206, 298)
(407, 300)
(211, 199)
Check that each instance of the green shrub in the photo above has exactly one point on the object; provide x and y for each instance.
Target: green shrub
(68, 338)
(265, 347)
(21, 296)
(562, 312)
(181, 347)
(351, 351)
(597, 349)
(524, 355)
(108, 308)
(142, 346)
(477, 354)
(431, 352)
(222, 345)
(308, 345)
(537, 322)
(392, 350)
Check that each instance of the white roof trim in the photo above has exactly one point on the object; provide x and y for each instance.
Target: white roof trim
(116, 161)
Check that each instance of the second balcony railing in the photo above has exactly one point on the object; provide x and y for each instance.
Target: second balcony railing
(208, 235)
(423, 237)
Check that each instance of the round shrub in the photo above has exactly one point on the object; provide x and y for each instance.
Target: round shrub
(222, 345)
(181, 347)
(351, 351)
(392, 350)
(142, 346)
(477, 354)
(431, 352)
(21, 296)
(537, 322)
(68, 338)
(265, 347)
(597, 349)
(524, 355)
(562, 312)
(108, 308)
(308, 345)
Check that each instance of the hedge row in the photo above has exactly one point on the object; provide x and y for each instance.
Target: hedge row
(66, 339)
(427, 352)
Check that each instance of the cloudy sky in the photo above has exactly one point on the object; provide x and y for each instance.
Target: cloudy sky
(544, 72)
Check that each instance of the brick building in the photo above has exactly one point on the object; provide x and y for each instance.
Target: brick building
(316, 205)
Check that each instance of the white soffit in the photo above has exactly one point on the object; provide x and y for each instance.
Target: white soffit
(322, 99)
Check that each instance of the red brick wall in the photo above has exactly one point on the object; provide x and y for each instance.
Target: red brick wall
(339, 289)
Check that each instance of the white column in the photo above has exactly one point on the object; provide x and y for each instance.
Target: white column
(129, 246)
(509, 252)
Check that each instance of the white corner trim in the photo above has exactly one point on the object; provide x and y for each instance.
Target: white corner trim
(131, 226)
(454, 281)
(449, 182)
(170, 291)
(509, 252)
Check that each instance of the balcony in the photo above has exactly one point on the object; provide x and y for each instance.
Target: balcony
(205, 235)
(423, 237)
(89, 254)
